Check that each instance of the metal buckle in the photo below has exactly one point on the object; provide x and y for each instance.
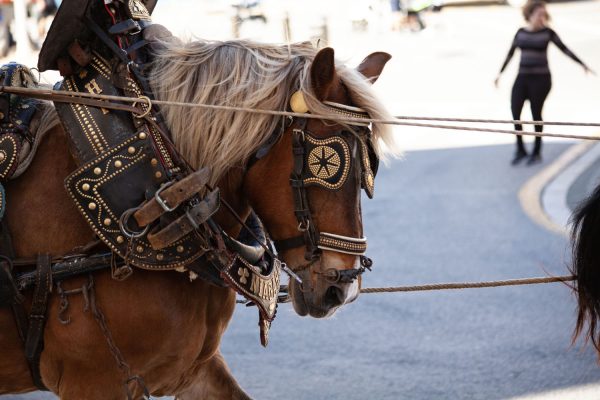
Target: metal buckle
(160, 201)
(192, 220)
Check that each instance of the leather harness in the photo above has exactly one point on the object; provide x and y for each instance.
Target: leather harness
(161, 221)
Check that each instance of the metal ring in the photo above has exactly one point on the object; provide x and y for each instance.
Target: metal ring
(302, 227)
(123, 225)
(149, 105)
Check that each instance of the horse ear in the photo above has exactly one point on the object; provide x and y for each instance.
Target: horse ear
(322, 72)
(373, 64)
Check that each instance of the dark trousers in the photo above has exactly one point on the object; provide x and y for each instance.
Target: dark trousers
(535, 88)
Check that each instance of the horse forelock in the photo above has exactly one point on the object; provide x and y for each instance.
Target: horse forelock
(244, 74)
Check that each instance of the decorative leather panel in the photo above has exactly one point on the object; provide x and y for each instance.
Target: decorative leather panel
(262, 289)
(93, 131)
(119, 180)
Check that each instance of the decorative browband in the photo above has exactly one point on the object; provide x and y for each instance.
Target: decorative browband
(342, 244)
(298, 105)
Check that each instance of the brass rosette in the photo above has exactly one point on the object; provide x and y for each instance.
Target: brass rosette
(327, 162)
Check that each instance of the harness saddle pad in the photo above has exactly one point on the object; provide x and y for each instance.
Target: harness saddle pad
(120, 171)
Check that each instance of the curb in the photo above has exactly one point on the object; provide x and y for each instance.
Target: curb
(545, 203)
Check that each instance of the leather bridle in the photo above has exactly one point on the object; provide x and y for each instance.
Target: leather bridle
(347, 148)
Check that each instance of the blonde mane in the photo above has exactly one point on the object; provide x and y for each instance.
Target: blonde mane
(242, 74)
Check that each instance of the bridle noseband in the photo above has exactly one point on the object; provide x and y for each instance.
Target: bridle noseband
(327, 163)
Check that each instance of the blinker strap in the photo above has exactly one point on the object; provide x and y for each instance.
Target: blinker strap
(291, 243)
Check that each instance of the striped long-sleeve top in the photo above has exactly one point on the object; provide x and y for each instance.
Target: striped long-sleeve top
(534, 50)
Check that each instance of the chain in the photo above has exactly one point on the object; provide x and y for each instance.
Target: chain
(114, 350)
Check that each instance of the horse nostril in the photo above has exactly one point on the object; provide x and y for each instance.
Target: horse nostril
(335, 296)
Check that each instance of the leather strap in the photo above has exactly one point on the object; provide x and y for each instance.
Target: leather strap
(187, 223)
(34, 344)
(171, 197)
(291, 243)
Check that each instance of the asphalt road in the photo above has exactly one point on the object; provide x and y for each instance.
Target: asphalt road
(447, 212)
(438, 216)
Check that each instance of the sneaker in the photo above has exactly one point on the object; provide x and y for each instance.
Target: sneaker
(519, 156)
(534, 159)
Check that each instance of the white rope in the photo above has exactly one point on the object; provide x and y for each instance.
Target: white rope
(399, 120)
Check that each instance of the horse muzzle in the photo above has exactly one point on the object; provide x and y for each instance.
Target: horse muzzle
(325, 288)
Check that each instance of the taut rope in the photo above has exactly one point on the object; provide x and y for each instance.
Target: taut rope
(48, 94)
(469, 285)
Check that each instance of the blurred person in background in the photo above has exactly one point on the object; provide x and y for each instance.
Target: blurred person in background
(43, 11)
(533, 81)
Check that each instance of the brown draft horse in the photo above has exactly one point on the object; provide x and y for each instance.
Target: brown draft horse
(167, 327)
(586, 267)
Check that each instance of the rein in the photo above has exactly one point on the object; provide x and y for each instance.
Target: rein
(46, 94)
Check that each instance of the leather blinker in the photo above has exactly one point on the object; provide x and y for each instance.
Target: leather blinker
(327, 162)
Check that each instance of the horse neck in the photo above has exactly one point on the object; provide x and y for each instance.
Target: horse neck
(231, 188)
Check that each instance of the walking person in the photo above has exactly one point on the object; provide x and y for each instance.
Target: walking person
(533, 81)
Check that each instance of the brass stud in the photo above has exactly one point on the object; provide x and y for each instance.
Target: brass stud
(159, 257)
(154, 162)
(158, 174)
(131, 150)
(92, 206)
(1, 115)
(139, 249)
(85, 187)
(118, 164)
(142, 135)
(2, 157)
(19, 122)
(97, 171)
(180, 249)
(120, 239)
(107, 222)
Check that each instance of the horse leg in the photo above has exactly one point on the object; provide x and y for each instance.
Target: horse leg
(14, 372)
(81, 382)
(214, 381)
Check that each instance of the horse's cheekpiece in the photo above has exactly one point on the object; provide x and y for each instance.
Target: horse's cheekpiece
(329, 158)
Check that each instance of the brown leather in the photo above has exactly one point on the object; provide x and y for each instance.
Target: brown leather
(187, 223)
(70, 23)
(34, 344)
(172, 196)
(81, 55)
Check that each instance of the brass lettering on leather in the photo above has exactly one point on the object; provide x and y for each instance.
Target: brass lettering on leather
(262, 289)
(93, 87)
(91, 129)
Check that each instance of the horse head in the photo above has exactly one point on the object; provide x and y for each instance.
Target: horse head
(301, 176)
(306, 189)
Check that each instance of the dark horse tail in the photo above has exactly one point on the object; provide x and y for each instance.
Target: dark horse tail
(586, 266)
